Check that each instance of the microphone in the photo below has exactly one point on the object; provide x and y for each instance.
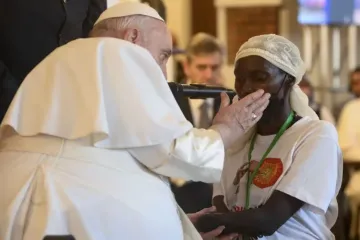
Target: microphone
(199, 91)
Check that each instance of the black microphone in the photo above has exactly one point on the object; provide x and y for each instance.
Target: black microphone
(199, 91)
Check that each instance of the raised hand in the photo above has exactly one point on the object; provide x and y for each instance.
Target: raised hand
(234, 120)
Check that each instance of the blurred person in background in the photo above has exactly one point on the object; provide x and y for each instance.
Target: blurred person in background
(322, 111)
(348, 127)
(30, 31)
(354, 90)
(204, 60)
(349, 139)
(202, 65)
(349, 124)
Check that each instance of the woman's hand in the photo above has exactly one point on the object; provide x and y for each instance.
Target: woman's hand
(213, 233)
(233, 120)
(218, 202)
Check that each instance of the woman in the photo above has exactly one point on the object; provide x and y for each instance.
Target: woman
(281, 180)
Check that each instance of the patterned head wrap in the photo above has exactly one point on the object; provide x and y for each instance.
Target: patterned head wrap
(285, 55)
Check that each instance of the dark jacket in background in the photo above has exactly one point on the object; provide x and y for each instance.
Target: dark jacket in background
(193, 196)
(30, 30)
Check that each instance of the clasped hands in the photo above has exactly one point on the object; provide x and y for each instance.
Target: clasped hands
(213, 233)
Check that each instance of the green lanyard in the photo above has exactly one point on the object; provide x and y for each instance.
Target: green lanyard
(251, 177)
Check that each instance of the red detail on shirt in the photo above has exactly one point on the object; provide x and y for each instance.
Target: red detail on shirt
(237, 209)
(269, 172)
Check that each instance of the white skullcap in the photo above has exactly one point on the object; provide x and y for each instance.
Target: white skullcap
(105, 88)
(285, 55)
(129, 8)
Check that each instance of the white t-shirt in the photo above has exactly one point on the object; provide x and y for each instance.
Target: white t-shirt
(306, 163)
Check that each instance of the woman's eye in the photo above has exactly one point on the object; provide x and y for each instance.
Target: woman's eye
(260, 78)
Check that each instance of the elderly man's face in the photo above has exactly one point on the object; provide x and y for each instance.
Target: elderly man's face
(159, 44)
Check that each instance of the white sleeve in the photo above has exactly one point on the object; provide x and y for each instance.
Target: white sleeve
(316, 171)
(198, 156)
(347, 121)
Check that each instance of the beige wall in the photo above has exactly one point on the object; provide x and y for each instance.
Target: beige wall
(179, 19)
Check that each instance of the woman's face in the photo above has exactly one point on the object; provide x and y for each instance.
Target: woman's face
(253, 73)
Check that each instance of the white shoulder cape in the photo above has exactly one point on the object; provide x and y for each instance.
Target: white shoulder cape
(106, 88)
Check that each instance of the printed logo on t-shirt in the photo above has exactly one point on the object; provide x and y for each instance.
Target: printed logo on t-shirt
(267, 175)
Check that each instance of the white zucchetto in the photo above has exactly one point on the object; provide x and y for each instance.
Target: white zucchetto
(129, 8)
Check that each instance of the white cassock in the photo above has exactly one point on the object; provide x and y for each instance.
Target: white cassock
(88, 143)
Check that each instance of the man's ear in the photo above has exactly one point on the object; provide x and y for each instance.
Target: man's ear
(186, 66)
(132, 35)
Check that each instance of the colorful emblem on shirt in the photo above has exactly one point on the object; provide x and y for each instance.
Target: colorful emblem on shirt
(267, 175)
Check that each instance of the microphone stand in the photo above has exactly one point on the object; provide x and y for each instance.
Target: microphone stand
(199, 91)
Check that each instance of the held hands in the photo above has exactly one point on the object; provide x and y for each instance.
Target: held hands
(233, 120)
(214, 232)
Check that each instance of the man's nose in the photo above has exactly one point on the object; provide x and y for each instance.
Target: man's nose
(208, 73)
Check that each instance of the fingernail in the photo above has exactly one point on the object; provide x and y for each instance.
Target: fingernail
(267, 95)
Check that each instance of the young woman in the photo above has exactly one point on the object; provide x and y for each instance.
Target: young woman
(280, 181)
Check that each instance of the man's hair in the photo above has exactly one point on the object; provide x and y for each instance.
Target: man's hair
(356, 70)
(112, 26)
(203, 44)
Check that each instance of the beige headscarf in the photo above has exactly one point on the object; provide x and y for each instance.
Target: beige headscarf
(285, 55)
(106, 88)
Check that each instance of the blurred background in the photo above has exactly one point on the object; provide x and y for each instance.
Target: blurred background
(326, 31)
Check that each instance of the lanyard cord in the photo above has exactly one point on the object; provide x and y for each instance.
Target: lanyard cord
(251, 176)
